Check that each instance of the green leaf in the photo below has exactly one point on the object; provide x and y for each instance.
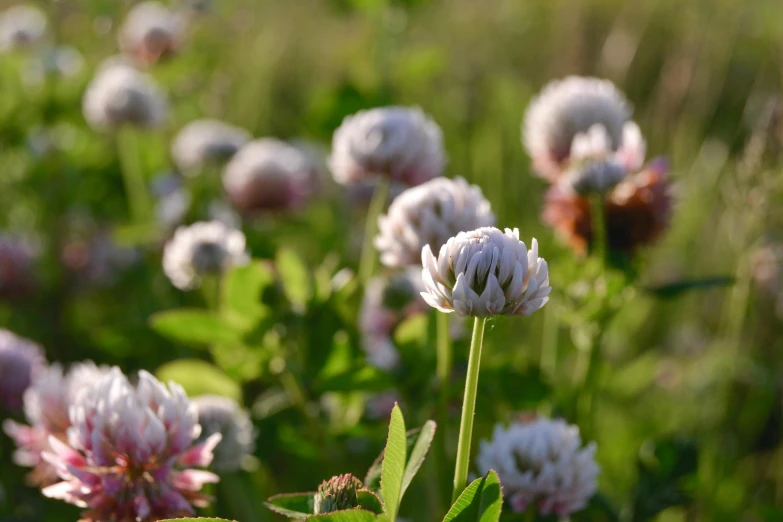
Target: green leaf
(417, 455)
(199, 377)
(348, 515)
(481, 501)
(394, 464)
(242, 289)
(372, 480)
(367, 379)
(370, 501)
(194, 326)
(295, 278)
(676, 288)
(292, 505)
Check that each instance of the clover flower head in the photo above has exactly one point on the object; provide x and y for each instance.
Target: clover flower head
(20, 361)
(485, 272)
(203, 248)
(336, 494)
(637, 211)
(268, 175)
(430, 214)
(119, 95)
(569, 108)
(222, 415)
(130, 452)
(206, 141)
(21, 26)
(541, 463)
(46, 404)
(150, 32)
(400, 143)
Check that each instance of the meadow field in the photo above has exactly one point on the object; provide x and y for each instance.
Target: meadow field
(661, 340)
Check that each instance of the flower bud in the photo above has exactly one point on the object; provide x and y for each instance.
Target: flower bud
(336, 494)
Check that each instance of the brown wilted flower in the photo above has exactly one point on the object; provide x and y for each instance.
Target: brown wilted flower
(637, 211)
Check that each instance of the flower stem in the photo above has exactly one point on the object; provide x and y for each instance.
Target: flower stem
(367, 260)
(444, 352)
(598, 225)
(129, 151)
(468, 408)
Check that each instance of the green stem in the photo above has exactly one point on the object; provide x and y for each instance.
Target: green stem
(132, 169)
(548, 360)
(468, 408)
(210, 289)
(367, 260)
(590, 384)
(598, 223)
(444, 354)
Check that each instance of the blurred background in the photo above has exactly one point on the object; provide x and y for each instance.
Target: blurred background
(689, 423)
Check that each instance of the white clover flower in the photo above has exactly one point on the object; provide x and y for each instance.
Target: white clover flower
(485, 272)
(594, 167)
(120, 94)
(267, 175)
(401, 143)
(203, 248)
(21, 26)
(130, 451)
(430, 214)
(46, 405)
(173, 200)
(205, 141)
(567, 108)
(150, 32)
(222, 415)
(541, 463)
(20, 361)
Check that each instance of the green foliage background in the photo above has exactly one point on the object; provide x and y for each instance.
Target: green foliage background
(689, 418)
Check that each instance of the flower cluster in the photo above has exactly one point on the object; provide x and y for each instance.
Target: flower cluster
(46, 404)
(399, 143)
(485, 272)
(21, 26)
(430, 214)
(222, 415)
(151, 32)
(205, 141)
(268, 175)
(202, 249)
(580, 136)
(120, 95)
(541, 463)
(20, 361)
(130, 451)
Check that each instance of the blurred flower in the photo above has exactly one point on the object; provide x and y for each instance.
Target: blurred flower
(336, 494)
(119, 94)
(766, 267)
(21, 26)
(266, 175)
(173, 200)
(430, 214)
(637, 211)
(129, 450)
(485, 272)
(203, 248)
(572, 107)
(17, 259)
(62, 62)
(94, 256)
(204, 141)
(20, 361)
(595, 167)
(46, 405)
(387, 301)
(222, 415)
(400, 143)
(150, 32)
(541, 462)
